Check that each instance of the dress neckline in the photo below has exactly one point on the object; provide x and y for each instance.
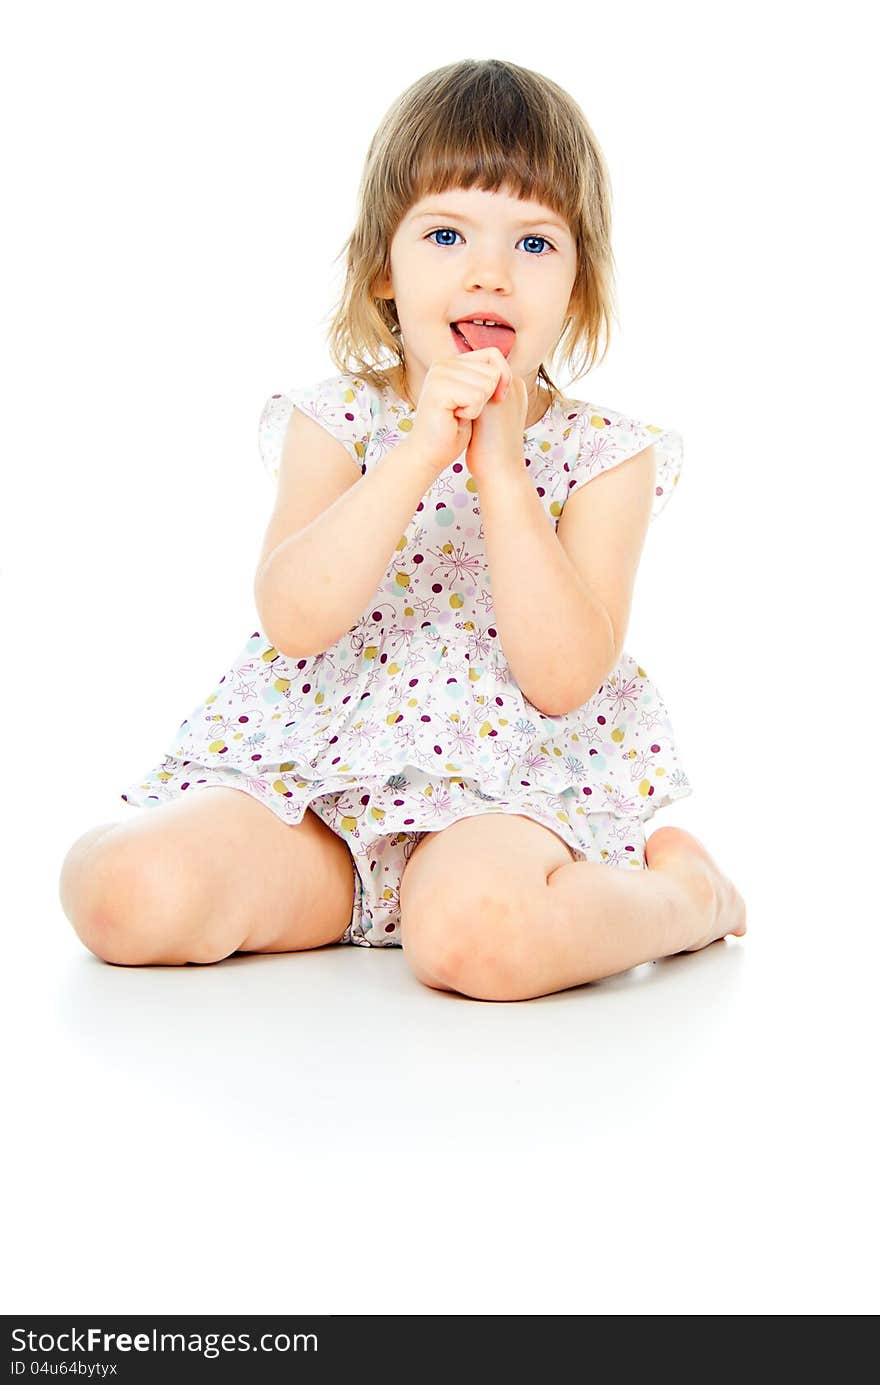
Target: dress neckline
(543, 421)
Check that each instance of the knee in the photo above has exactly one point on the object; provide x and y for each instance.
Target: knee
(472, 943)
(125, 906)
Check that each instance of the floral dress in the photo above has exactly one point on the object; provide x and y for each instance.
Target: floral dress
(413, 719)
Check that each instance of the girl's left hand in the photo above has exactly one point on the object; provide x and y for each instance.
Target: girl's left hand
(496, 444)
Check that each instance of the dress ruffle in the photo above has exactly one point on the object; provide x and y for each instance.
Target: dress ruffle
(608, 437)
(276, 719)
(341, 406)
(413, 719)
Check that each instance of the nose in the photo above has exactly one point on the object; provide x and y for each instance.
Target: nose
(488, 276)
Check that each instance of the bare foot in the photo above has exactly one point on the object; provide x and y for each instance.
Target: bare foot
(677, 851)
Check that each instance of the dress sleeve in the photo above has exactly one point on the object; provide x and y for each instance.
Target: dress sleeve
(608, 438)
(341, 404)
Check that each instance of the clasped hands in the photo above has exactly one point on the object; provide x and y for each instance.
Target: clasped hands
(496, 442)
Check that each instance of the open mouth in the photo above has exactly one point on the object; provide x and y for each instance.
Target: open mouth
(473, 336)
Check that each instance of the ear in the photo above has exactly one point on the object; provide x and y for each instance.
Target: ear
(382, 287)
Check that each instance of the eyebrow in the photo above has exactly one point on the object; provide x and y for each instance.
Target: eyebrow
(459, 216)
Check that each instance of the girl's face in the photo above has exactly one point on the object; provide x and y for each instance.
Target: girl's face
(469, 251)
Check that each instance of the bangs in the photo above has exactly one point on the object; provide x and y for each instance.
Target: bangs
(492, 135)
(494, 126)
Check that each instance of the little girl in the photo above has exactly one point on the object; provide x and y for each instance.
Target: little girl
(436, 739)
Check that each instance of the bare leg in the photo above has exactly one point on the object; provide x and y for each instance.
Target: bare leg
(203, 876)
(606, 919)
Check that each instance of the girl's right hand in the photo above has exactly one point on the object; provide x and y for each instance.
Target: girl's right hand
(454, 392)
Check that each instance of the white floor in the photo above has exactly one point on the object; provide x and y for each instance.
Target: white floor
(320, 1132)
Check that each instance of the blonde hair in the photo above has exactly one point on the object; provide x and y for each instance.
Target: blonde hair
(488, 124)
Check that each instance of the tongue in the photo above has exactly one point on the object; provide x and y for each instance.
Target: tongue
(479, 337)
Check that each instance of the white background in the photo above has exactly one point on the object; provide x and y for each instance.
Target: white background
(319, 1132)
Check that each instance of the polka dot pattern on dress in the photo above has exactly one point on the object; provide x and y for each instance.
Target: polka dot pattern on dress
(413, 719)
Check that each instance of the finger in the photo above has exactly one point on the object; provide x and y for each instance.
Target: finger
(477, 383)
(472, 387)
(502, 389)
(470, 407)
(499, 361)
(493, 356)
(490, 374)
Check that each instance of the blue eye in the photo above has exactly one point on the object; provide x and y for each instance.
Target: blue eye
(443, 231)
(447, 230)
(541, 238)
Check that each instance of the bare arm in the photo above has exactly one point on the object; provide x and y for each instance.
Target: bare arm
(317, 583)
(557, 637)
